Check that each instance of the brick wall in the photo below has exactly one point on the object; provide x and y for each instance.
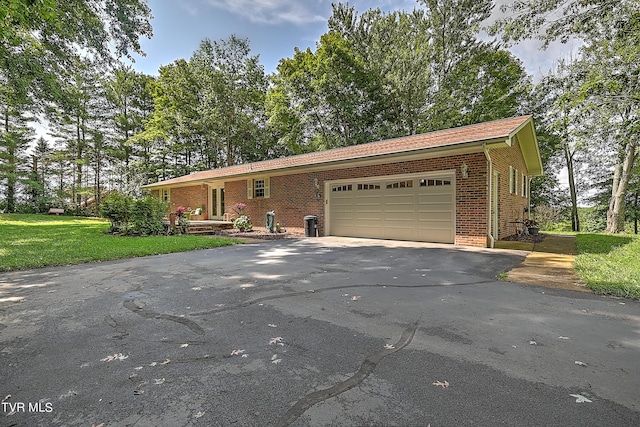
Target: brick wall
(190, 197)
(292, 197)
(511, 206)
(295, 196)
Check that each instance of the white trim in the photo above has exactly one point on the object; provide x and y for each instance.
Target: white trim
(219, 188)
(490, 183)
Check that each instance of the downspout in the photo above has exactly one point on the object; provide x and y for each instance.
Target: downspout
(490, 192)
(529, 194)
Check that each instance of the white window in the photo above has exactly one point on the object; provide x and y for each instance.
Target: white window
(434, 182)
(400, 184)
(368, 186)
(524, 186)
(513, 180)
(258, 188)
(337, 188)
(165, 195)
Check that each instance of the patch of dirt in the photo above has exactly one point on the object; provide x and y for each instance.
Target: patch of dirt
(531, 238)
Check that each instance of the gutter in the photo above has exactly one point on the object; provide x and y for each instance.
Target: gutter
(492, 238)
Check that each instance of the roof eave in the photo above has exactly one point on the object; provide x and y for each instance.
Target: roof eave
(440, 151)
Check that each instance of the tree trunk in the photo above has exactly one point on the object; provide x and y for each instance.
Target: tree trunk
(10, 193)
(621, 175)
(575, 219)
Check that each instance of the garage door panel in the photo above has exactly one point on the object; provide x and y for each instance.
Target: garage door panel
(436, 236)
(399, 216)
(401, 209)
(440, 217)
(399, 233)
(435, 198)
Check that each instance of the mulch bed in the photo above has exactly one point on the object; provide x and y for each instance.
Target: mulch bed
(531, 238)
(257, 233)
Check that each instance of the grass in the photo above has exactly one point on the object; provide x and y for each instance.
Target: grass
(31, 241)
(609, 264)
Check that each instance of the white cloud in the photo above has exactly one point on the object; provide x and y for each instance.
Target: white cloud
(274, 12)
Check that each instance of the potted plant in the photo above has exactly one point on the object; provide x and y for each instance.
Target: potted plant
(532, 226)
(243, 221)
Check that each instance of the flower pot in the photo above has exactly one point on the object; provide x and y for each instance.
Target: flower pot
(534, 230)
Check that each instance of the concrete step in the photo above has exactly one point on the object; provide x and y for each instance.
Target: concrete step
(201, 231)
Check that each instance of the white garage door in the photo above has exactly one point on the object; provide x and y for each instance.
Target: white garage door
(418, 208)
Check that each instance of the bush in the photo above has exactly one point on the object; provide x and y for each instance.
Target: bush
(147, 214)
(143, 216)
(117, 209)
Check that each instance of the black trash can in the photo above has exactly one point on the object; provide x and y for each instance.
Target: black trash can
(311, 226)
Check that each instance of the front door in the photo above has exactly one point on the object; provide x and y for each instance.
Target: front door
(216, 208)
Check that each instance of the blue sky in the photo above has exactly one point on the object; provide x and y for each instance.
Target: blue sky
(274, 28)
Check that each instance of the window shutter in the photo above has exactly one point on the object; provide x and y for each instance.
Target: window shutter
(250, 189)
(267, 191)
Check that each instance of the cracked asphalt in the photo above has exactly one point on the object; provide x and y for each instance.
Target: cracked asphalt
(310, 332)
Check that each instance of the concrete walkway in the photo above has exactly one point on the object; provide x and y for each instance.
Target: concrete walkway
(549, 264)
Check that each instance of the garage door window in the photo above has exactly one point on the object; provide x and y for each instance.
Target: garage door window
(368, 186)
(400, 184)
(434, 182)
(336, 188)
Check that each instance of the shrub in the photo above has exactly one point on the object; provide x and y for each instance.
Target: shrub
(143, 216)
(147, 214)
(117, 209)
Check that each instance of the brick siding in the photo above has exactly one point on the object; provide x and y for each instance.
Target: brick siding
(294, 196)
(511, 206)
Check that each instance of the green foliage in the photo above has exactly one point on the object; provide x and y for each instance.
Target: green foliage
(142, 216)
(243, 222)
(593, 101)
(380, 75)
(147, 215)
(33, 241)
(117, 209)
(550, 20)
(608, 264)
(593, 219)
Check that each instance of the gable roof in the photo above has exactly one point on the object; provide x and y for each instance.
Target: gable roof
(497, 133)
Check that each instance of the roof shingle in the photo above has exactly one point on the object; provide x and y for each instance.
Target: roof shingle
(495, 130)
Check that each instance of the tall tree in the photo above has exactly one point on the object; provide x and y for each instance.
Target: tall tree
(397, 50)
(233, 93)
(608, 70)
(38, 184)
(561, 118)
(15, 135)
(129, 102)
(380, 75)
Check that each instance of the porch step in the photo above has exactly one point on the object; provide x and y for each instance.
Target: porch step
(207, 229)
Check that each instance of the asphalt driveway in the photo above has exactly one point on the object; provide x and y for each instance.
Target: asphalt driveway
(311, 332)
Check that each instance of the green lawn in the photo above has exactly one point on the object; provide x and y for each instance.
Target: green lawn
(609, 264)
(30, 241)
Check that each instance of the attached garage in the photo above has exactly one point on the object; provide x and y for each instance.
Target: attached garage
(417, 207)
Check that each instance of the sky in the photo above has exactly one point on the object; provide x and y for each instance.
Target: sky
(274, 28)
